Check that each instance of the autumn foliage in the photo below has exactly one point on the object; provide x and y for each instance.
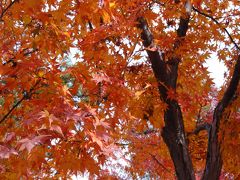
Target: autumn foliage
(119, 89)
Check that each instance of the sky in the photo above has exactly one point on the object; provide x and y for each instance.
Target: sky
(216, 70)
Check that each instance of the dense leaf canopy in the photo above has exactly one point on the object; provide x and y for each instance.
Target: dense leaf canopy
(118, 88)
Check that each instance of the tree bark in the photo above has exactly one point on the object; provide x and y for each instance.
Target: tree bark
(166, 72)
(214, 159)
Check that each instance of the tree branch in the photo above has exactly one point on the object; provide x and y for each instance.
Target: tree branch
(156, 159)
(10, 111)
(166, 73)
(201, 127)
(26, 95)
(216, 21)
(122, 144)
(24, 54)
(214, 160)
(232, 87)
(8, 7)
(155, 56)
(183, 27)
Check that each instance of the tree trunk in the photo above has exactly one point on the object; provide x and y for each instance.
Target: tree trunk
(214, 159)
(166, 72)
(174, 137)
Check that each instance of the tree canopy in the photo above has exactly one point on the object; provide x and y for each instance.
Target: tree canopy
(119, 89)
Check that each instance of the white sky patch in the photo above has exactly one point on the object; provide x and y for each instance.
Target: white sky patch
(84, 176)
(217, 70)
(72, 53)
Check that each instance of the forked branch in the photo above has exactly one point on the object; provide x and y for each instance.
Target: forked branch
(166, 73)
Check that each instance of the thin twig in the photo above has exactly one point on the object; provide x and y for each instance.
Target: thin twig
(24, 54)
(219, 24)
(156, 159)
(122, 144)
(26, 95)
(8, 7)
(30, 52)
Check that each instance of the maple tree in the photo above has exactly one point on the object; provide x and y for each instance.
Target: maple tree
(84, 83)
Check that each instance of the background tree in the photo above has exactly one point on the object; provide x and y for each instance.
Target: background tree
(86, 83)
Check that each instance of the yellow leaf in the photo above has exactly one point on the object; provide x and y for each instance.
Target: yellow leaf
(139, 93)
(106, 17)
(112, 4)
(26, 19)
